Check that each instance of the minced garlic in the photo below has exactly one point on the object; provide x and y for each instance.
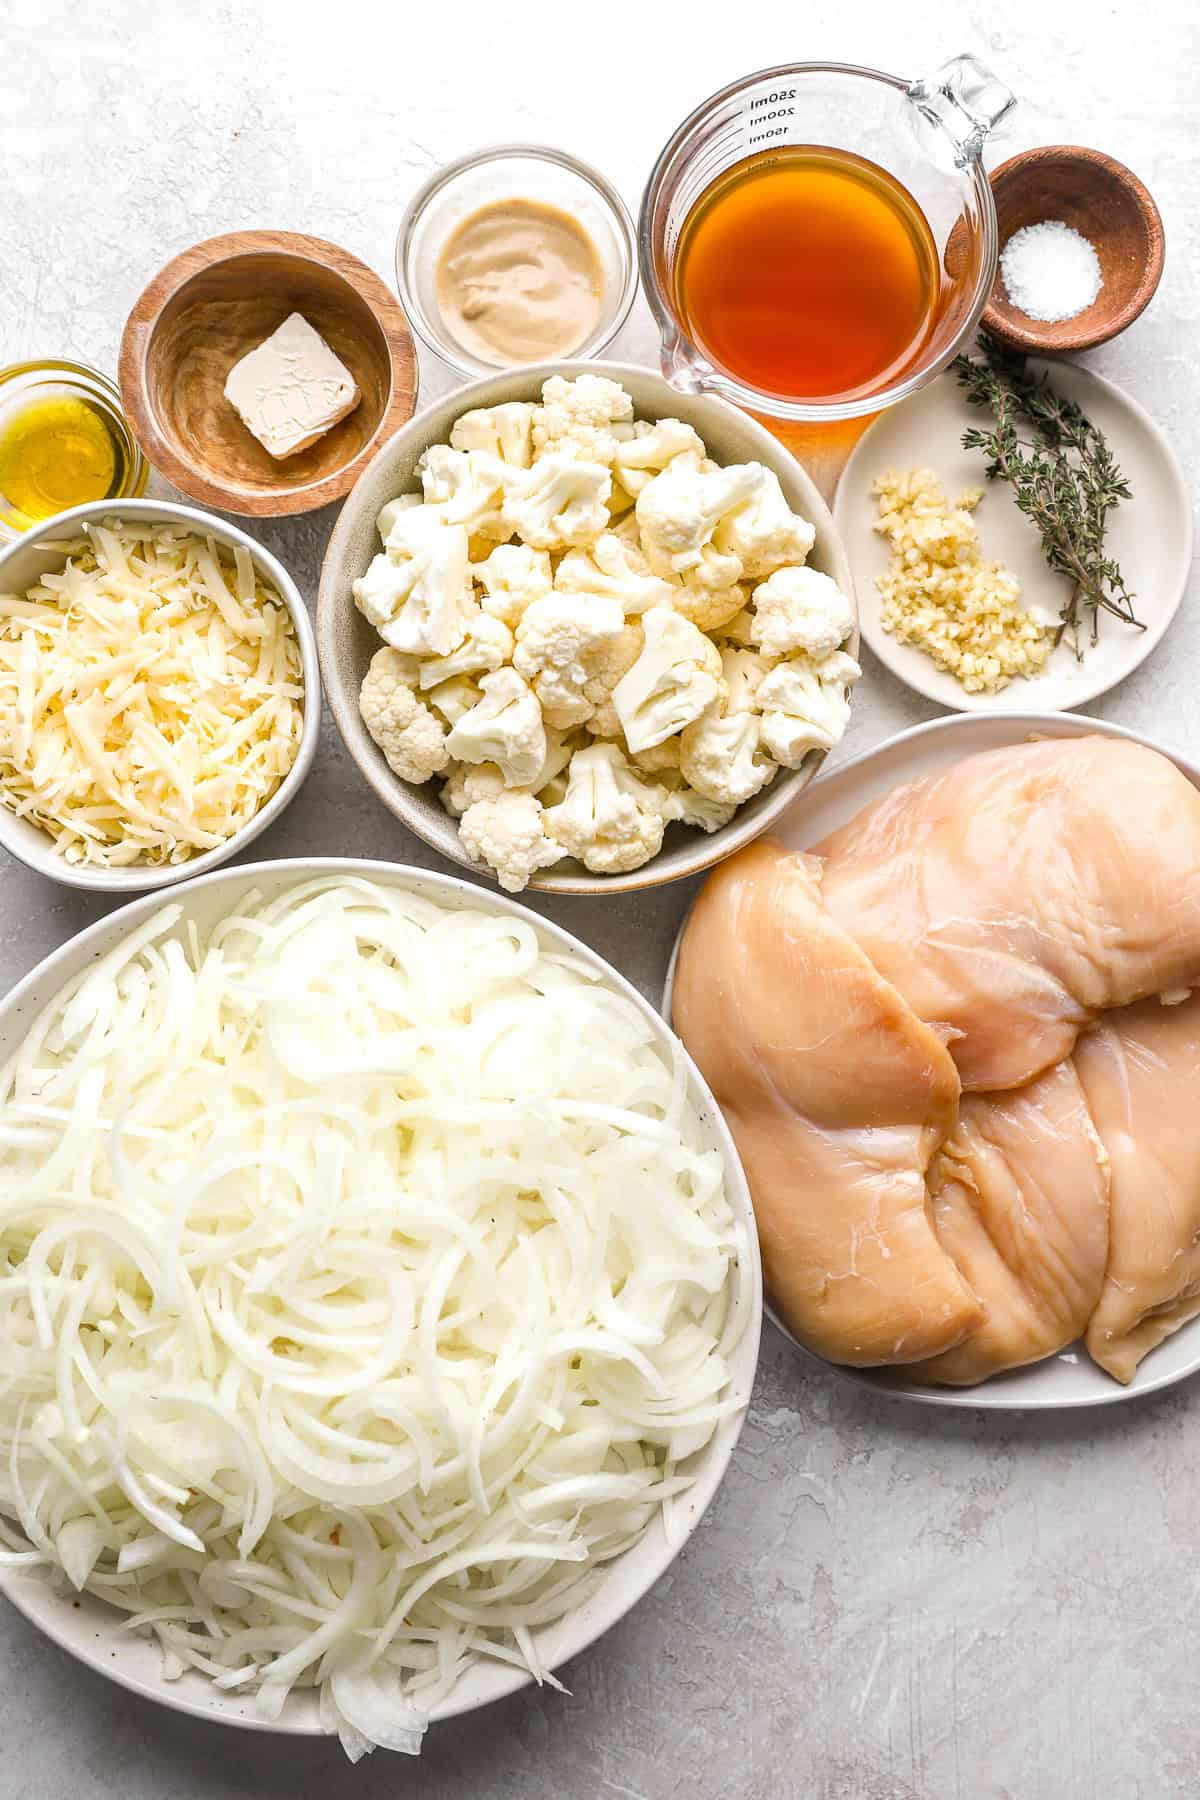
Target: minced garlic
(939, 594)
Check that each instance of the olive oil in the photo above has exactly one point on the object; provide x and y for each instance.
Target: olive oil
(808, 272)
(57, 450)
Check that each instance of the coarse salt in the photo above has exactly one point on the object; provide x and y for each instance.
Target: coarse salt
(1050, 271)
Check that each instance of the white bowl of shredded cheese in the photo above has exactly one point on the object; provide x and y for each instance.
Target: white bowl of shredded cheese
(159, 694)
(389, 1298)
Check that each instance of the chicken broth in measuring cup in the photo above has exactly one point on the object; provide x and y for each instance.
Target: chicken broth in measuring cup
(818, 240)
(809, 272)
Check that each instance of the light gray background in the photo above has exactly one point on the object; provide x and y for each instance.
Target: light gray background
(883, 1604)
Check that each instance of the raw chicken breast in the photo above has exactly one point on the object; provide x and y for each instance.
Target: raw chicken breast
(1140, 1069)
(1014, 896)
(1020, 1198)
(837, 1097)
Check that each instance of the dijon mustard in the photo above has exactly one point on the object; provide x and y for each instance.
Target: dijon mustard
(519, 282)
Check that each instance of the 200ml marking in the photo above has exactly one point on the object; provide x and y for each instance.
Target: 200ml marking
(761, 112)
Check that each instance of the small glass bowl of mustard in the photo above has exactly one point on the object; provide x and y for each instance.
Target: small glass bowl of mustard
(63, 442)
(516, 254)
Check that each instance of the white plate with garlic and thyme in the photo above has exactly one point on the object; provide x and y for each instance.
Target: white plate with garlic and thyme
(1148, 536)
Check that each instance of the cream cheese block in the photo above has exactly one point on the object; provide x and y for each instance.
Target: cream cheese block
(291, 389)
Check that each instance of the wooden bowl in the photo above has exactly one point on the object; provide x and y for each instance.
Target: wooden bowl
(218, 300)
(1107, 204)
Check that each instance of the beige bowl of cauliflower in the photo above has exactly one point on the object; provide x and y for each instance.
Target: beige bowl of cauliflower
(585, 632)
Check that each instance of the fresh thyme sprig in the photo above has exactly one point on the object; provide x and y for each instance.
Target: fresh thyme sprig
(1063, 475)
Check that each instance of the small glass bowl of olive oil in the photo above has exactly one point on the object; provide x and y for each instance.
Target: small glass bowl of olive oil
(63, 442)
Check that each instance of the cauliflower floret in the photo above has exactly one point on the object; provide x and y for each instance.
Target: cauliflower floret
(560, 748)
(742, 672)
(590, 630)
(620, 501)
(488, 645)
(468, 488)
(682, 802)
(467, 782)
(608, 666)
(412, 738)
(765, 533)
(720, 756)
(418, 594)
(453, 698)
(805, 706)
(675, 678)
(709, 609)
(610, 820)
(502, 431)
(800, 609)
(559, 503)
(738, 629)
(616, 569)
(629, 533)
(576, 418)
(647, 453)
(698, 810)
(507, 831)
(391, 512)
(555, 790)
(557, 640)
(659, 759)
(678, 513)
(479, 548)
(505, 728)
(511, 577)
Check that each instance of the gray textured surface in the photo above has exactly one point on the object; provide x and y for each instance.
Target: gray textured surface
(883, 1604)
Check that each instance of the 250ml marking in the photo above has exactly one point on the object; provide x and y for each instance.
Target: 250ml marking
(765, 109)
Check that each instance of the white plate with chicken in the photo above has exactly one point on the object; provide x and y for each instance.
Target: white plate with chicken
(951, 1010)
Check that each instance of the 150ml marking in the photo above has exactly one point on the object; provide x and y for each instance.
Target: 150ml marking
(766, 116)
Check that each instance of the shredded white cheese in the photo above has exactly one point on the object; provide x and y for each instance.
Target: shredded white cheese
(151, 696)
(367, 1285)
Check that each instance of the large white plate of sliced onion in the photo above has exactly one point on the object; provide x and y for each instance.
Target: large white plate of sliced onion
(380, 1298)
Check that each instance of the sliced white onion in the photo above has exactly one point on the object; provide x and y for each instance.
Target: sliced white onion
(365, 1286)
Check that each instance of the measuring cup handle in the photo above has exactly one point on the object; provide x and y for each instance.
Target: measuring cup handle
(682, 364)
(965, 102)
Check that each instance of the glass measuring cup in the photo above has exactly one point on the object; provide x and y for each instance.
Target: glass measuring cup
(927, 135)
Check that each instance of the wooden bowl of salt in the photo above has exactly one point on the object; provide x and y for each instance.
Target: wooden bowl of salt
(204, 311)
(1045, 301)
